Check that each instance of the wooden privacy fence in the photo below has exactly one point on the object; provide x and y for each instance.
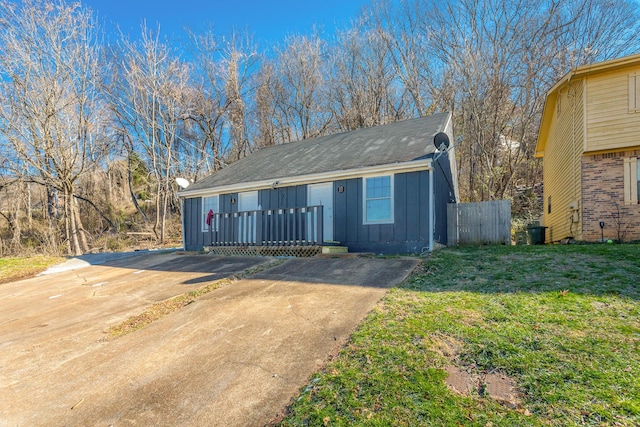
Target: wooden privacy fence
(479, 223)
(273, 227)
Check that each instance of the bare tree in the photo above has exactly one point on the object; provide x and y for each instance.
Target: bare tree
(266, 133)
(51, 111)
(239, 59)
(150, 106)
(223, 70)
(411, 58)
(365, 90)
(295, 90)
(500, 57)
(207, 105)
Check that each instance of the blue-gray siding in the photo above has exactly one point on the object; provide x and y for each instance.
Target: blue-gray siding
(443, 194)
(285, 197)
(194, 238)
(408, 234)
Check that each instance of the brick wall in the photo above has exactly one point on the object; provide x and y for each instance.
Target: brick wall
(603, 198)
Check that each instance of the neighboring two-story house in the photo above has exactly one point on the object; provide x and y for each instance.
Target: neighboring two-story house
(590, 144)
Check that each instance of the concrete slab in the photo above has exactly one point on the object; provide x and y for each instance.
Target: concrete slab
(86, 260)
(232, 358)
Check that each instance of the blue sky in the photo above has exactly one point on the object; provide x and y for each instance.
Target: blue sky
(269, 20)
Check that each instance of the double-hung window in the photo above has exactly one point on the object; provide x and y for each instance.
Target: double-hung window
(209, 204)
(378, 200)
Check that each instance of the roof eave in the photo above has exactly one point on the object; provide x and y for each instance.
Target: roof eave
(410, 166)
(609, 65)
(545, 124)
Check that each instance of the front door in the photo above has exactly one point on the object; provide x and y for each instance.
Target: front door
(322, 194)
(247, 201)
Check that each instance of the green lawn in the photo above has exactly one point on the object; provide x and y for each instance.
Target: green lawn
(21, 268)
(561, 322)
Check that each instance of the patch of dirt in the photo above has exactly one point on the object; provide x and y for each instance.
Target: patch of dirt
(470, 382)
(502, 388)
(600, 305)
(460, 381)
(495, 385)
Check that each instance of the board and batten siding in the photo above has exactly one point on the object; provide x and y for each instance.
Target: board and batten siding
(408, 234)
(561, 164)
(610, 123)
(194, 238)
(285, 197)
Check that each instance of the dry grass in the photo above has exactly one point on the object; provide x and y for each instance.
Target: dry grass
(12, 269)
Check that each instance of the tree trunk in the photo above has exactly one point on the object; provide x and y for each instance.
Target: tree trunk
(165, 202)
(67, 226)
(17, 233)
(156, 225)
(52, 209)
(134, 199)
(29, 208)
(76, 241)
(81, 233)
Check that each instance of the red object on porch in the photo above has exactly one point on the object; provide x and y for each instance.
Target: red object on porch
(209, 216)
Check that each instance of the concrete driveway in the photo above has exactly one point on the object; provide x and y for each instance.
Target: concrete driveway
(235, 357)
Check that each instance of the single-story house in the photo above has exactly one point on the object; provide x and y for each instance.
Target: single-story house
(382, 189)
(589, 141)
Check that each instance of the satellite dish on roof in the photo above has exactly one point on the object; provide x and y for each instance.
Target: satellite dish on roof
(441, 141)
(183, 183)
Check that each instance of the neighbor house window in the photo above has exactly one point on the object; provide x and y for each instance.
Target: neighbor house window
(631, 181)
(208, 204)
(378, 200)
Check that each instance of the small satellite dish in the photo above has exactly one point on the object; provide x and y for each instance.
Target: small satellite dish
(441, 141)
(183, 183)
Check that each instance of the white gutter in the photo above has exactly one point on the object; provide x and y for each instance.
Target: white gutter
(412, 166)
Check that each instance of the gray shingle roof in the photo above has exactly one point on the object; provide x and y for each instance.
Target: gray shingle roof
(381, 145)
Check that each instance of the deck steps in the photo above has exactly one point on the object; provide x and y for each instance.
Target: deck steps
(328, 250)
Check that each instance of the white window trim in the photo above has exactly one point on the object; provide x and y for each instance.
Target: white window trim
(364, 200)
(205, 211)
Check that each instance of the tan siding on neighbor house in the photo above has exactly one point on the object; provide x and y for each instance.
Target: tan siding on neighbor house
(610, 123)
(562, 164)
(585, 153)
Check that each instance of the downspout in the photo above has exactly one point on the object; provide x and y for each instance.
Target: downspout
(432, 212)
